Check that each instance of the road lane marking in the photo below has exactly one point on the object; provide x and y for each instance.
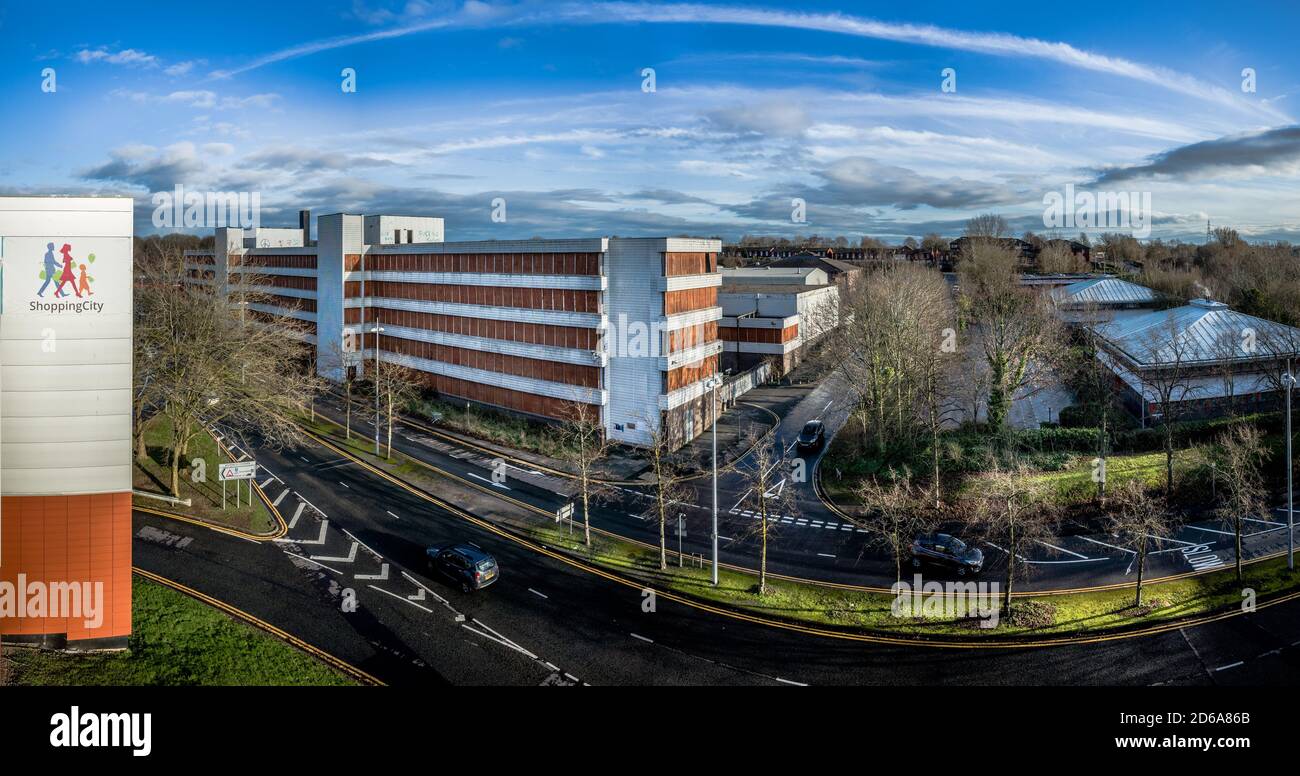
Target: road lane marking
(280, 498)
(309, 560)
(539, 595)
(493, 483)
(349, 558)
(1062, 549)
(363, 544)
(297, 514)
(643, 638)
(401, 598)
(394, 516)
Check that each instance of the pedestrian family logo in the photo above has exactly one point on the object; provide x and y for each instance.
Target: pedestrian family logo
(69, 277)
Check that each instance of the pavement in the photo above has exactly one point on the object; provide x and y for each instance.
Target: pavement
(355, 536)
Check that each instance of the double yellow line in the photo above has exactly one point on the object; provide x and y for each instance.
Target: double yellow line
(335, 662)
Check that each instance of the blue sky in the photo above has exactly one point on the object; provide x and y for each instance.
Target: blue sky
(756, 103)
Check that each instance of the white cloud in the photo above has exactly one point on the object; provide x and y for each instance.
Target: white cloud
(130, 57)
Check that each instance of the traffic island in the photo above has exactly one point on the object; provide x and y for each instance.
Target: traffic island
(199, 484)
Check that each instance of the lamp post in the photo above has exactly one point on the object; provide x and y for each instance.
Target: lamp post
(376, 330)
(712, 385)
(1289, 379)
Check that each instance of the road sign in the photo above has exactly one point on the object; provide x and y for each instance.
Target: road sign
(564, 513)
(239, 470)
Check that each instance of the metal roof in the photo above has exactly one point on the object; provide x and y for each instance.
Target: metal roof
(1104, 291)
(1201, 332)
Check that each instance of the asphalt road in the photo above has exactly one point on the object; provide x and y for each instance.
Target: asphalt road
(548, 621)
(815, 543)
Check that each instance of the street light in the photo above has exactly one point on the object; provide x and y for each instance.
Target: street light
(712, 384)
(1289, 379)
(376, 330)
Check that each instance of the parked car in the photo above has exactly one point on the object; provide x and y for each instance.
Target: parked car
(942, 549)
(812, 437)
(464, 565)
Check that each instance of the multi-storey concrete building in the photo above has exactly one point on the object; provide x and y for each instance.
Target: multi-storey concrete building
(529, 326)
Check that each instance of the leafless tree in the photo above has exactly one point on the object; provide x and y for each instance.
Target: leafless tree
(1010, 509)
(216, 364)
(585, 444)
(987, 226)
(896, 329)
(1240, 455)
(396, 386)
(1135, 522)
(670, 489)
(896, 511)
(1168, 357)
(765, 475)
(1018, 332)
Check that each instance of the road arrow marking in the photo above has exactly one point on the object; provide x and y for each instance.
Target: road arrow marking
(381, 576)
(351, 556)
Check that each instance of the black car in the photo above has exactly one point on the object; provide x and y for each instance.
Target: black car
(464, 565)
(812, 437)
(945, 550)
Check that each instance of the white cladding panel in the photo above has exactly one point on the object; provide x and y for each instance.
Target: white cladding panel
(65, 362)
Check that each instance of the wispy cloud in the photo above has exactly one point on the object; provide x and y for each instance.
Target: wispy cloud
(477, 14)
(129, 57)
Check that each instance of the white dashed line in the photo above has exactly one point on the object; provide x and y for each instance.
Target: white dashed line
(643, 638)
(539, 595)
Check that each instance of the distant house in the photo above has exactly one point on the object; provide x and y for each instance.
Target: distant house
(1209, 357)
(961, 247)
(839, 272)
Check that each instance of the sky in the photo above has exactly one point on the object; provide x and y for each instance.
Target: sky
(885, 119)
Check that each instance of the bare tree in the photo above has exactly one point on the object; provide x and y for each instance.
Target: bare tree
(1010, 509)
(1167, 356)
(670, 489)
(987, 226)
(1017, 331)
(215, 365)
(396, 386)
(1240, 455)
(585, 444)
(345, 358)
(765, 474)
(894, 331)
(896, 511)
(1138, 520)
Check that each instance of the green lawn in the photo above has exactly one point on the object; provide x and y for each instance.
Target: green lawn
(154, 476)
(177, 640)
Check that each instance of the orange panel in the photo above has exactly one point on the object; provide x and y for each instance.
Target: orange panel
(50, 541)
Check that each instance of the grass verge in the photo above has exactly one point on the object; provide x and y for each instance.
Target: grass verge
(177, 641)
(1089, 613)
(154, 476)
